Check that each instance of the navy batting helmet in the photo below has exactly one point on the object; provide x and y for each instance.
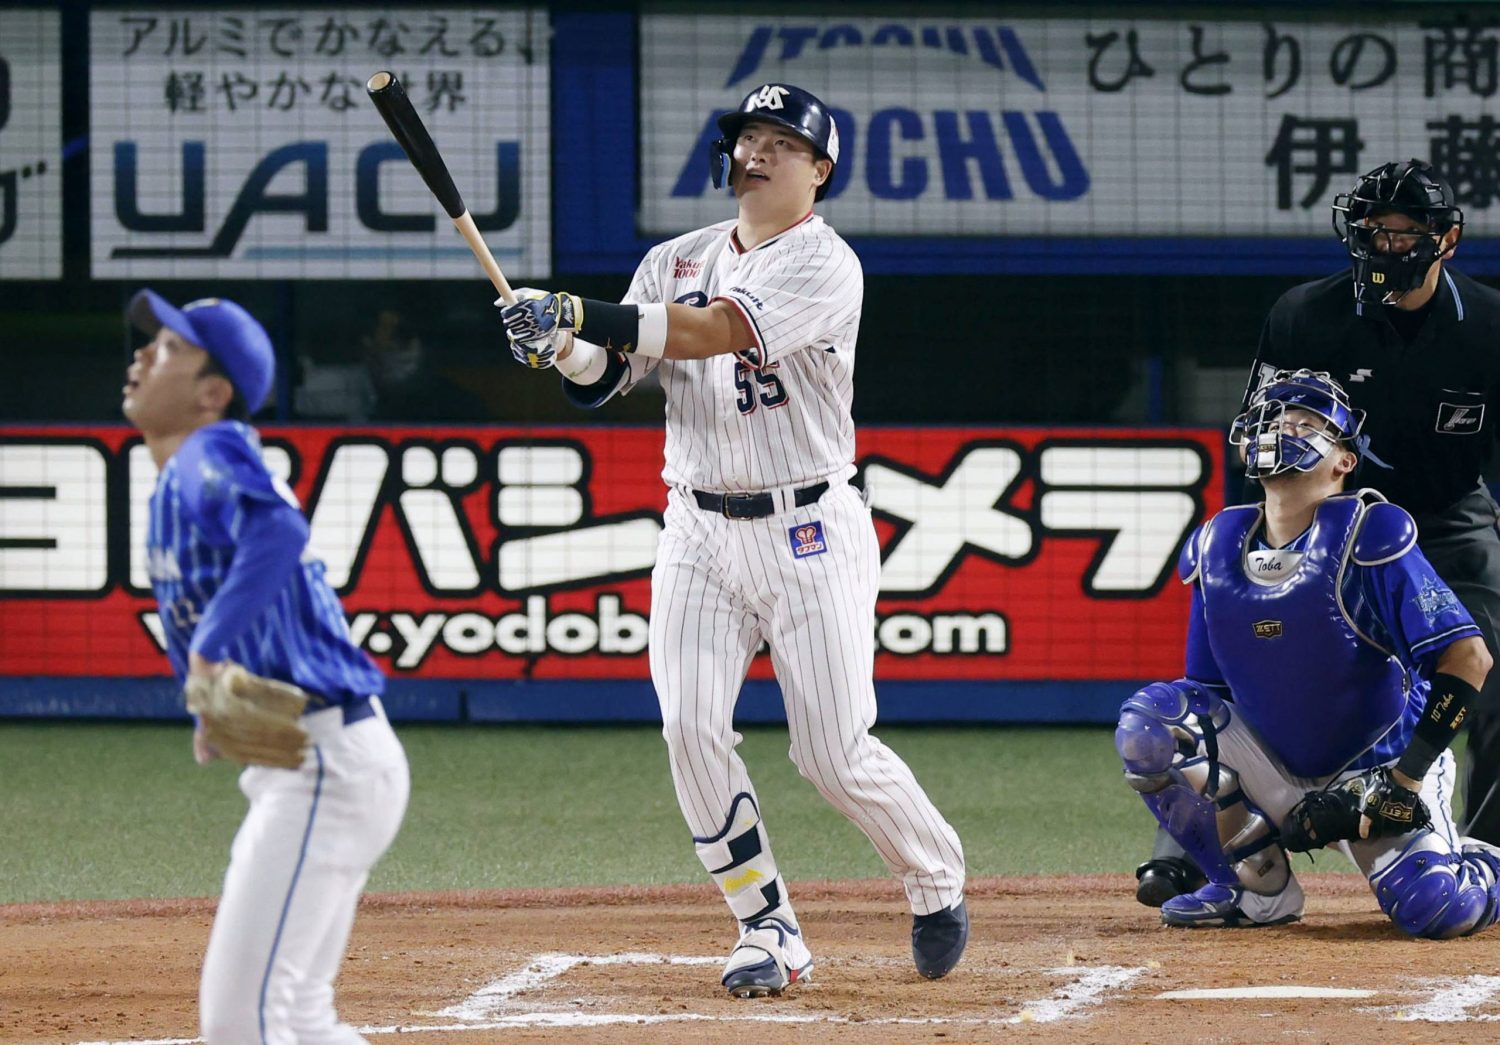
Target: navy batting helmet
(793, 108)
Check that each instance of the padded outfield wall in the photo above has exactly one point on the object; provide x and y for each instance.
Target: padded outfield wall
(498, 570)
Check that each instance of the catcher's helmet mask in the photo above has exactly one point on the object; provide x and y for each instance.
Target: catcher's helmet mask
(1411, 188)
(793, 108)
(1273, 446)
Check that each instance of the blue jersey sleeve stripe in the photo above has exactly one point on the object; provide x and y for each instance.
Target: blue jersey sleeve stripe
(1445, 638)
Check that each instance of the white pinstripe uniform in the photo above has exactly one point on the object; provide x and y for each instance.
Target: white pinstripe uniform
(775, 418)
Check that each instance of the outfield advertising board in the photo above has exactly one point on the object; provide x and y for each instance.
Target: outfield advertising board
(1110, 124)
(31, 238)
(238, 141)
(493, 553)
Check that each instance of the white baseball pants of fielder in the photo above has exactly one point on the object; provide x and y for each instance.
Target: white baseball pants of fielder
(722, 585)
(297, 867)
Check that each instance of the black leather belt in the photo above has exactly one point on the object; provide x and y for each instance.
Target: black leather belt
(753, 505)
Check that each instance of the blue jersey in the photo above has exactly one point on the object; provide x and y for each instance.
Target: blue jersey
(226, 556)
(1326, 645)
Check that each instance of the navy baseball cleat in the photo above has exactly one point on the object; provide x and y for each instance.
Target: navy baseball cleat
(1224, 907)
(938, 940)
(770, 957)
(1158, 880)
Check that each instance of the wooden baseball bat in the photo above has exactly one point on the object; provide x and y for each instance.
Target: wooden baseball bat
(411, 134)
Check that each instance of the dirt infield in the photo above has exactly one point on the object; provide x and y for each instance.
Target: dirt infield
(1051, 959)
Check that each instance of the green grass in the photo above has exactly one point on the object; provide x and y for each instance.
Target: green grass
(109, 810)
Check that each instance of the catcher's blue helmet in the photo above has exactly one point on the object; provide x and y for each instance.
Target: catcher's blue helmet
(792, 107)
(1274, 443)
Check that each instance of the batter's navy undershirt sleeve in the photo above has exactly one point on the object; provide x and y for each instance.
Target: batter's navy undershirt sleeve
(268, 547)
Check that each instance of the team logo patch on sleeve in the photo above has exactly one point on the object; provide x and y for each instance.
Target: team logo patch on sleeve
(807, 539)
(1434, 600)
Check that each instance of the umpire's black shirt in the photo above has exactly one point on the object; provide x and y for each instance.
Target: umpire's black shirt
(1431, 403)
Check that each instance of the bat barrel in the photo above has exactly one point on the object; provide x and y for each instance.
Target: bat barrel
(396, 109)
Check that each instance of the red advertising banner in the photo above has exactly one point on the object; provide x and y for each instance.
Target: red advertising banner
(503, 553)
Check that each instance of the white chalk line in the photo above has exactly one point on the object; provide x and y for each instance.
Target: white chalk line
(1450, 1003)
(1089, 987)
(482, 1010)
(485, 1002)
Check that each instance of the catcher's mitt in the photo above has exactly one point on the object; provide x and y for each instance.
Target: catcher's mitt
(1325, 817)
(249, 719)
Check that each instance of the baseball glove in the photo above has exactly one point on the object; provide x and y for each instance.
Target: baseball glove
(1324, 817)
(249, 719)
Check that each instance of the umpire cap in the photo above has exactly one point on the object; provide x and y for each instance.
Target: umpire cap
(798, 110)
(1409, 187)
(232, 336)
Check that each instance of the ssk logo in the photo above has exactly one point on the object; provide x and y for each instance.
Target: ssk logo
(1267, 629)
(768, 97)
(1459, 420)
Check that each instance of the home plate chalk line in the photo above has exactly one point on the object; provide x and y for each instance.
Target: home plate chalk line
(492, 1007)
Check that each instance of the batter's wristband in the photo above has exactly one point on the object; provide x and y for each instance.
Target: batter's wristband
(641, 329)
(1448, 704)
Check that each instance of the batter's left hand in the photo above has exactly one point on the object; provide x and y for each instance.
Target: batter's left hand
(539, 325)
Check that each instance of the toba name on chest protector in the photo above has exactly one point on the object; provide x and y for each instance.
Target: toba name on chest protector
(1311, 681)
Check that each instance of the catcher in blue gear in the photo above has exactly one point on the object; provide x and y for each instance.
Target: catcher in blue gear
(1328, 669)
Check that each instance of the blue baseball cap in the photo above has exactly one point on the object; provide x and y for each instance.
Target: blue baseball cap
(221, 328)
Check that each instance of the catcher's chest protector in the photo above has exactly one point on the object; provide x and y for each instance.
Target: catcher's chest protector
(1316, 689)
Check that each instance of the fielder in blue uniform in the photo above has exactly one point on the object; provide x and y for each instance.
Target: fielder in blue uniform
(1327, 666)
(236, 582)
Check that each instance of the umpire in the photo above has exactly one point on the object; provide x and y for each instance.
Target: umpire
(1417, 345)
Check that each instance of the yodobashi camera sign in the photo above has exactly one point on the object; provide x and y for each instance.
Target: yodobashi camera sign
(239, 141)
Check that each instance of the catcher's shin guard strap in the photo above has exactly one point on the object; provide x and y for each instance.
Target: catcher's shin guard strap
(739, 860)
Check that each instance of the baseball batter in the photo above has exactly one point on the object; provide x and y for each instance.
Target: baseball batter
(1350, 665)
(239, 592)
(751, 324)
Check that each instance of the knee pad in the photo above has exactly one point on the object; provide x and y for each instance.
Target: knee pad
(739, 860)
(1439, 895)
(1163, 724)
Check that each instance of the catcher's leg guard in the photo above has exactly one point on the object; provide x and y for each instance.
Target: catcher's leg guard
(1437, 894)
(1198, 799)
(740, 861)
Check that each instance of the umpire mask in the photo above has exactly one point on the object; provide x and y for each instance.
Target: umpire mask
(1393, 260)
